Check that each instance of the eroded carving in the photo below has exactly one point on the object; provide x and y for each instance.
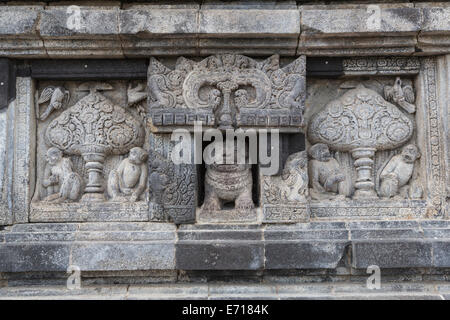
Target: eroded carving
(95, 127)
(227, 91)
(172, 188)
(58, 97)
(292, 185)
(129, 180)
(228, 182)
(325, 174)
(401, 95)
(361, 122)
(397, 173)
(60, 182)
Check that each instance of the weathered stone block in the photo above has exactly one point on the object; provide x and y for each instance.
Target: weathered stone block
(170, 291)
(19, 21)
(234, 255)
(304, 254)
(62, 21)
(75, 212)
(355, 21)
(332, 30)
(26, 257)
(386, 234)
(391, 253)
(436, 19)
(441, 257)
(150, 21)
(94, 256)
(216, 247)
(253, 291)
(249, 23)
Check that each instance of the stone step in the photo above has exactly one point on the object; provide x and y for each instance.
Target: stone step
(220, 291)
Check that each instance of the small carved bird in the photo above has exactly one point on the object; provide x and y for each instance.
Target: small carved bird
(136, 94)
(58, 96)
(401, 95)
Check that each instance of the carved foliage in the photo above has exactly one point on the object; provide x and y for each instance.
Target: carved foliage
(172, 189)
(233, 83)
(95, 123)
(360, 118)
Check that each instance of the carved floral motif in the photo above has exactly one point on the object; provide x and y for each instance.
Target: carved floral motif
(362, 122)
(228, 85)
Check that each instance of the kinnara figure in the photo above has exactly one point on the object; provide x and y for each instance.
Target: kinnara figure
(61, 182)
(397, 172)
(129, 180)
(325, 173)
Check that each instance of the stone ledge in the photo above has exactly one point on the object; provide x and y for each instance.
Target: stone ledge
(142, 30)
(91, 246)
(126, 246)
(221, 291)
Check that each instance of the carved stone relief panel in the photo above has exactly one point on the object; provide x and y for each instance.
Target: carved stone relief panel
(172, 187)
(362, 146)
(91, 157)
(285, 197)
(227, 91)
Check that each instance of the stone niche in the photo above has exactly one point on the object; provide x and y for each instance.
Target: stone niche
(231, 92)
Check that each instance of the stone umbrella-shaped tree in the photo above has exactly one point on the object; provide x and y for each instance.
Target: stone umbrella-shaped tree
(361, 122)
(95, 127)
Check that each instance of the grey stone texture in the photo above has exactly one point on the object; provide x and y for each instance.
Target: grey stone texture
(90, 246)
(338, 204)
(227, 291)
(126, 246)
(139, 30)
(21, 144)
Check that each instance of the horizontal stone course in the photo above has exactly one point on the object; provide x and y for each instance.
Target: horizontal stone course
(143, 30)
(221, 291)
(118, 246)
(392, 253)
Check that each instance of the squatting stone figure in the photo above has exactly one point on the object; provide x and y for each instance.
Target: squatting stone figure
(61, 182)
(325, 173)
(129, 180)
(397, 172)
(228, 183)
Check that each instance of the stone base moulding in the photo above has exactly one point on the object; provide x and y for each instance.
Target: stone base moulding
(118, 246)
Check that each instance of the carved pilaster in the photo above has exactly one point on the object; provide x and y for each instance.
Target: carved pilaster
(435, 124)
(24, 148)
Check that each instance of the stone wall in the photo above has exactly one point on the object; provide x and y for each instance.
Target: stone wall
(98, 101)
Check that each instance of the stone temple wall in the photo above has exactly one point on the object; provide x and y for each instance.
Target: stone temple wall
(101, 171)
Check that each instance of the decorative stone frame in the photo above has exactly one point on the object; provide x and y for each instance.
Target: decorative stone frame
(431, 77)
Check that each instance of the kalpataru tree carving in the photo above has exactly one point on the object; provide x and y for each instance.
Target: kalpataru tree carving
(227, 91)
(361, 122)
(95, 127)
